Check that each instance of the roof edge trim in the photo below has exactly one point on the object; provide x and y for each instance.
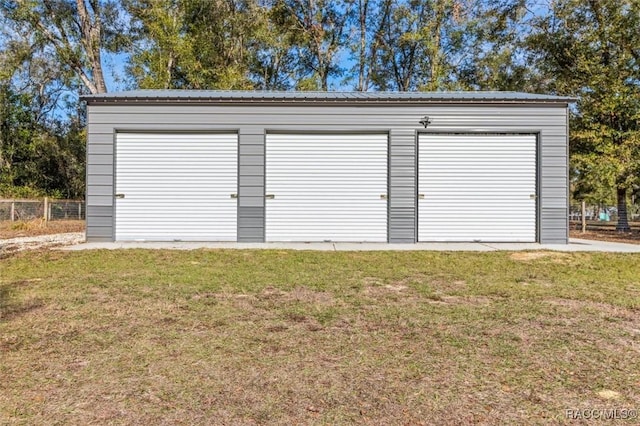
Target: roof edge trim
(282, 97)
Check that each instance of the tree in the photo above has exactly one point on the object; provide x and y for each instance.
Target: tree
(195, 44)
(16, 129)
(163, 57)
(273, 60)
(367, 26)
(319, 34)
(41, 151)
(419, 44)
(222, 33)
(496, 51)
(591, 49)
(73, 32)
(38, 157)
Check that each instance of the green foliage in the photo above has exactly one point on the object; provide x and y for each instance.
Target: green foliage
(416, 44)
(272, 63)
(72, 34)
(38, 158)
(589, 49)
(168, 53)
(496, 36)
(16, 129)
(319, 32)
(222, 33)
(196, 44)
(24, 192)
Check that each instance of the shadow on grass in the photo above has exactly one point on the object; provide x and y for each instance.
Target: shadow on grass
(10, 305)
(7, 250)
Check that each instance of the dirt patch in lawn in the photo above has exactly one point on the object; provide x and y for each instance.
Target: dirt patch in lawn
(525, 256)
(606, 309)
(306, 295)
(392, 290)
(462, 300)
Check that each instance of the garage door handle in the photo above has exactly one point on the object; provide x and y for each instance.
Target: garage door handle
(421, 196)
(270, 196)
(118, 195)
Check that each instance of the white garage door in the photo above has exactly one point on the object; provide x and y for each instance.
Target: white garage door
(477, 188)
(176, 187)
(326, 187)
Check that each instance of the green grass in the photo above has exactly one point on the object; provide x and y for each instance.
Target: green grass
(287, 337)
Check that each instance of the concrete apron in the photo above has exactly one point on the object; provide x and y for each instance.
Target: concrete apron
(574, 245)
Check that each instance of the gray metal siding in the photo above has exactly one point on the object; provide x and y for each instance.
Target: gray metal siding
(402, 186)
(251, 186)
(401, 122)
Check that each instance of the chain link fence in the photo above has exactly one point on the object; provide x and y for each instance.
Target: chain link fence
(593, 212)
(602, 213)
(601, 218)
(47, 209)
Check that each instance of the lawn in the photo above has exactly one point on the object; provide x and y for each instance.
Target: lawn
(286, 337)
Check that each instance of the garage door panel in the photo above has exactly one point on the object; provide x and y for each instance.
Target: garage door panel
(477, 188)
(176, 187)
(326, 187)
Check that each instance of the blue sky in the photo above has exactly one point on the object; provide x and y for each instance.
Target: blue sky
(114, 74)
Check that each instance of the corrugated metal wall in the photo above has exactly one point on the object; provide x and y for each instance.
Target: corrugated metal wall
(401, 122)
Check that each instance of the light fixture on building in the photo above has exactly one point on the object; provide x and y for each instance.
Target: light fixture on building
(425, 121)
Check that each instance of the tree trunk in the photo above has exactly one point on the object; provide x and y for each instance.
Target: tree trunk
(362, 57)
(623, 222)
(91, 40)
(434, 78)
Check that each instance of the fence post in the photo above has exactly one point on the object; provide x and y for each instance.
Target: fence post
(584, 216)
(13, 211)
(46, 209)
(79, 211)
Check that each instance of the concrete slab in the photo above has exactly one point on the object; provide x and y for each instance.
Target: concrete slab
(603, 246)
(575, 245)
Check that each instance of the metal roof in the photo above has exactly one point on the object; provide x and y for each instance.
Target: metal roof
(233, 96)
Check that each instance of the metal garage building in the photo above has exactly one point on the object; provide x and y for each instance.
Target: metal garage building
(327, 166)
